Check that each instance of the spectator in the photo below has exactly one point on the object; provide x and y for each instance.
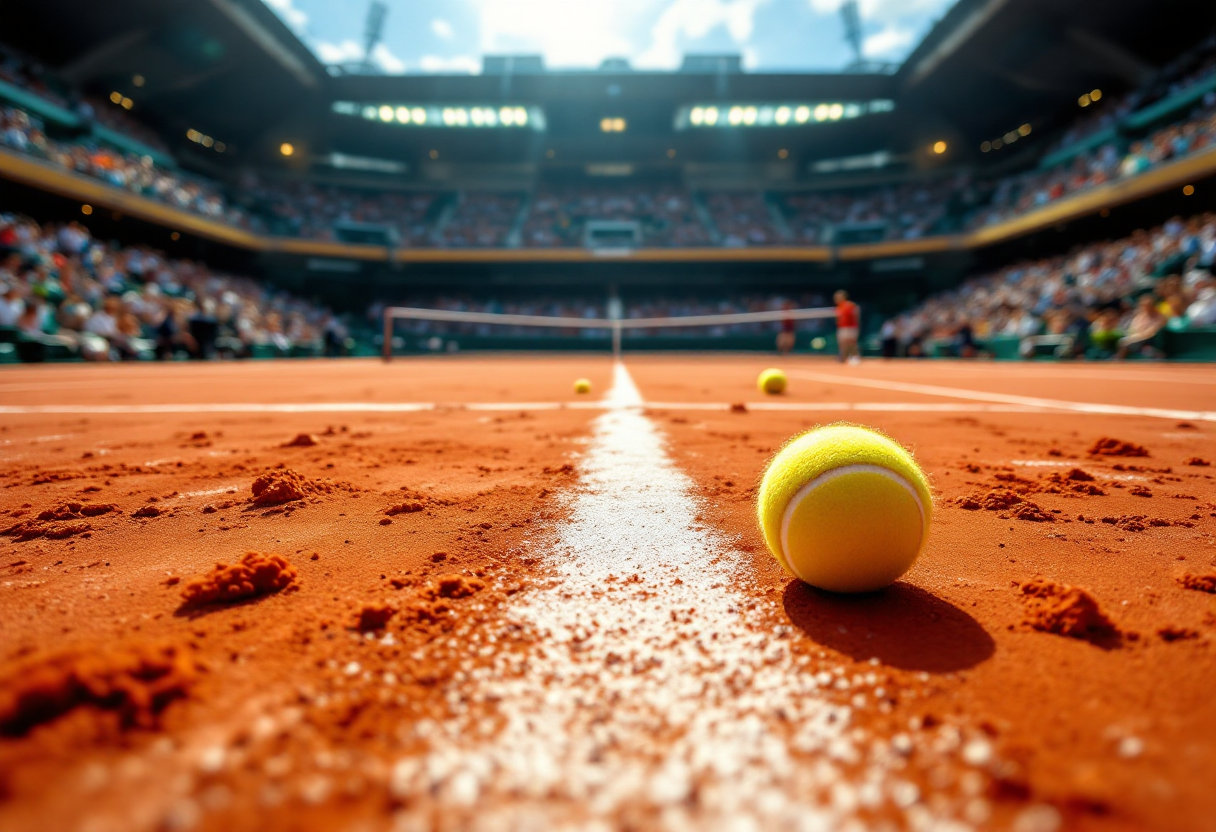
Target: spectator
(1145, 325)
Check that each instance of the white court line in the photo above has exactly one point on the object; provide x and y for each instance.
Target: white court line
(1017, 373)
(1004, 398)
(493, 407)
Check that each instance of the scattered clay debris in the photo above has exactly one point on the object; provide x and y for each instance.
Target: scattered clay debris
(404, 508)
(433, 602)
(1116, 447)
(1032, 513)
(738, 407)
(1066, 610)
(76, 511)
(32, 530)
(256, 574)
(1198, 462)
(458, 586)
(285, 485)
(375, 617)
(1127, 522)
(302, 440)
(1173, 633)
(1201, 583)
(1001, 500)
(147, 511)
(565, 468)
(1140, 491)
(1075, 481)
(135, 683)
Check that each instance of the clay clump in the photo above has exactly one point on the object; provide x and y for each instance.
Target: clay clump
(134, 683)
(255, 575)
(1066, 611)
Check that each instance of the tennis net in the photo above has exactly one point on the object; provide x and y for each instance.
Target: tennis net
(610, 331)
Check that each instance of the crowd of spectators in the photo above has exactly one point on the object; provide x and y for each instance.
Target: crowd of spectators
(898, 212)
(1109, 299)
(743, 219)
(138, 174)
(481, 220)
(300, 209)
(1194, 131)
(85, 154)
(664, 215)
(62, 290)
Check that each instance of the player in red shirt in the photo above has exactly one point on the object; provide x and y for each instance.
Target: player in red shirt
(785, 338)
(848, 327)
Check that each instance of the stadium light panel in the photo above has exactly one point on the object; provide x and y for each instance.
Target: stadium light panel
(287, 149)
(116, 97)
(939, 148)
(449, 115)
(778, 114)
(1095, 95)
(138, 80)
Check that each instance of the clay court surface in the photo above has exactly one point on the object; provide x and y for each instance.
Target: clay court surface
(483, 602)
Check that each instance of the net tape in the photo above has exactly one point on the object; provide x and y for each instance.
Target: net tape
(724, 319)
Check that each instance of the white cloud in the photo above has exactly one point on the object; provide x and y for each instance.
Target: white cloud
(295, 19)
(891, 40)
(349, 52)
(338, 53)
(694, 19)
(455, 65)
(569, 33)
(442, 28)
(387, 61)
(884, 10)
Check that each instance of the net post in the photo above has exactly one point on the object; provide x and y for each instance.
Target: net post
(616, 339)
(388, 335)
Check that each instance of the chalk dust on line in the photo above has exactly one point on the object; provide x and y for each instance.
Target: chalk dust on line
(649, 694)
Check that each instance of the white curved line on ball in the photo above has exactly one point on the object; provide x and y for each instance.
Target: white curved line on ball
(825, 478)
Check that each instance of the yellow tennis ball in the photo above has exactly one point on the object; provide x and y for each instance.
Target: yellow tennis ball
(582, 386)
(844, 508)
(771, 381)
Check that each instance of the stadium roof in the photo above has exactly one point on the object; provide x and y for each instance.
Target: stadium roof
(233, 70)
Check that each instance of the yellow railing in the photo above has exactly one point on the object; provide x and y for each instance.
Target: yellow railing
(25, 170)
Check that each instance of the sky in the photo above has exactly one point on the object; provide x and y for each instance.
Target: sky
(451, 36)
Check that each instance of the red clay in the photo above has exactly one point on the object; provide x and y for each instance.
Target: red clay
(260, 713)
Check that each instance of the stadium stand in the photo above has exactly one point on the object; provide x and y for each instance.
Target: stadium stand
(1142, 294)
(64, 294)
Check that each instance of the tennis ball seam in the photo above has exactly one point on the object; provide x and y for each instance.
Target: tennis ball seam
(823, 479)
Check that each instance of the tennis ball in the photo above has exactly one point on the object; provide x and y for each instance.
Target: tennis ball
(771, 381)
(844, 508)
(582, 386)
